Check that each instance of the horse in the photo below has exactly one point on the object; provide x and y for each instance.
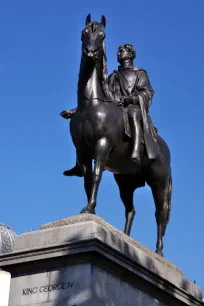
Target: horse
(98, 133)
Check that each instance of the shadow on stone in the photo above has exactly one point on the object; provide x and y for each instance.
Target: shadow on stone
(83, 260)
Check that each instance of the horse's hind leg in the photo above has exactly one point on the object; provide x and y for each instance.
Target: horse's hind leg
(102, 151)
(126, 193)
(161, 191)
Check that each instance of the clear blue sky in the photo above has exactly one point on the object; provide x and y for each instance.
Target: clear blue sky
(39, 63)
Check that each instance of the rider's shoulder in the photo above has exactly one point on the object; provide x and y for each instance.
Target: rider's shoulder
(139, 69)
(114, 73)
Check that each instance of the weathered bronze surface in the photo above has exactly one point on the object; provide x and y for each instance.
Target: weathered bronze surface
(112, 126)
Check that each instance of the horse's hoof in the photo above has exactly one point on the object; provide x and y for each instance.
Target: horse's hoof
(159, 253)
(88, 210)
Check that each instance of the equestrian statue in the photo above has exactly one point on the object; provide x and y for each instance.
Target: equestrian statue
(112, 126)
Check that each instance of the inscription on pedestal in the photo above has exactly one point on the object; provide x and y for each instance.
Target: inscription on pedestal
(48, 288)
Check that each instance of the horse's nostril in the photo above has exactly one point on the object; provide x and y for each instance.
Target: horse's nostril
(91, 50)
(90, 54)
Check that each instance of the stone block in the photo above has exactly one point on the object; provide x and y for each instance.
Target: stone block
(71, 283)
(83, 260)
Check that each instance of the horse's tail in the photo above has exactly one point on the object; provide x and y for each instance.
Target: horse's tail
(169, 193)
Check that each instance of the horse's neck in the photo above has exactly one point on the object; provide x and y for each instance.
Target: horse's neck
(90, 85)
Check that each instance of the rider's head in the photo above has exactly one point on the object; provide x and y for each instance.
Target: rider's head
(126, 52)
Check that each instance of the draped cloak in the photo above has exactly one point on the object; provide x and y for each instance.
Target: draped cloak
(134, 81)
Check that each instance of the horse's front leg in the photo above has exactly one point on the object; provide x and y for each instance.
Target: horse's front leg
(102, 151)
(88, 179)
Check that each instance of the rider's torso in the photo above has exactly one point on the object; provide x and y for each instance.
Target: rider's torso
(126, 81)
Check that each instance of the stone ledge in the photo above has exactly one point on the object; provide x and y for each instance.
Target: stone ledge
(89, 217)
(81, 236)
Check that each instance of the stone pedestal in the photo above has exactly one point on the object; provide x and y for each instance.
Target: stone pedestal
(84, 261)
(5, 278)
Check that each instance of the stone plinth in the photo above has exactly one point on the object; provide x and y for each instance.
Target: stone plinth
(84, 261)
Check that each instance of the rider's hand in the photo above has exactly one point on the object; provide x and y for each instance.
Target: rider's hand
(120, 103)
(67, 114)
(135, 100)
(127, 100)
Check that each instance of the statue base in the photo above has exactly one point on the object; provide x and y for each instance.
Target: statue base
(82, 260)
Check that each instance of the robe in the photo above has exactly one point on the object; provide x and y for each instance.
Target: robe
(134, 81)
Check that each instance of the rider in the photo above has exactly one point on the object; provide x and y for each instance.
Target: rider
(131, 88)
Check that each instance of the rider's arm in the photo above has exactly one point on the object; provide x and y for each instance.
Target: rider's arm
(144, 88)
(73, 110)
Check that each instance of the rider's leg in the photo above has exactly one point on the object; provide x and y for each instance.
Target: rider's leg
(135, 118)
(75, 171)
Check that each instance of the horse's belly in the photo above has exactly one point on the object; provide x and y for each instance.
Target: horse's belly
(124, 168)
(119, 161)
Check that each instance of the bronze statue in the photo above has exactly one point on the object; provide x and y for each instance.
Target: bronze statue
(126, 85)
(112, 126)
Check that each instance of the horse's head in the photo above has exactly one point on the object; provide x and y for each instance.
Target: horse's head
(92, 39)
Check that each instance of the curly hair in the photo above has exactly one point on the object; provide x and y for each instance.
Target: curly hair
(130, 49)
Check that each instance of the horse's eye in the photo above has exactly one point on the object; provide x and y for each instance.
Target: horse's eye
(84, 32)
(103, 35)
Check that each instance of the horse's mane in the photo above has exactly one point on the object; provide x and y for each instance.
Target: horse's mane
(104, 69)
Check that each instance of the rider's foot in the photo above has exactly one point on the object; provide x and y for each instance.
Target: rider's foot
(135, 158)
(76, 171)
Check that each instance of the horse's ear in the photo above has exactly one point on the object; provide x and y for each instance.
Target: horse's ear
(103, 21)
(88, 19)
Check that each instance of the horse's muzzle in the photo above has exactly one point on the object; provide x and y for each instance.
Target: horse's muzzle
(90, 54)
